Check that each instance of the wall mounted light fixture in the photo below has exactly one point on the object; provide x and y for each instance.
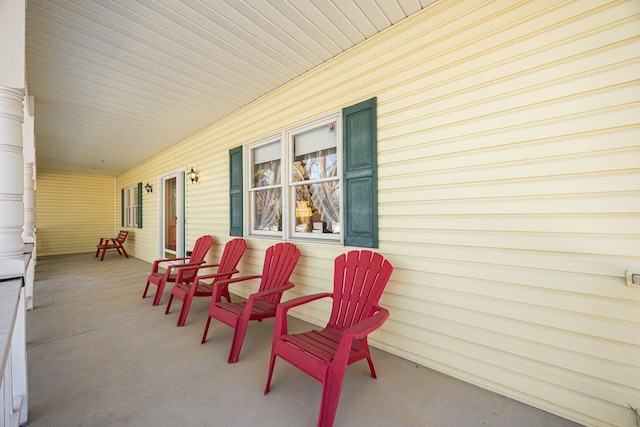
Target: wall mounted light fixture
(149, 188)
(193, 175)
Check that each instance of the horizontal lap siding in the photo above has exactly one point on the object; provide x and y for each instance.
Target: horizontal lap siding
(206, 200)
(509, 197)
(509, 194)
(73, 210)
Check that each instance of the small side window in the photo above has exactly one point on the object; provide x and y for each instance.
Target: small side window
(132, 206)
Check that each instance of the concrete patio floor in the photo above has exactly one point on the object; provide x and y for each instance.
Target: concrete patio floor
(100, 355)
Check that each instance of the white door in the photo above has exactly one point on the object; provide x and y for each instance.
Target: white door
(171, 221)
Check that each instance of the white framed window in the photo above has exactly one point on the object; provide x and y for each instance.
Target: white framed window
(131, 198)
(294, 182)
(265, 187)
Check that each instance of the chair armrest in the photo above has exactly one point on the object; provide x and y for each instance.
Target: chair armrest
(238, 279)
(206, 267)
(169, 268)
(209, 265)
(280, 326)
(156, 263)
(181, 268)
(278, 290)
(188, 265)
(262, 295)
(368, 325)
(219, 285)
(358, 331)
(214, 275)
(287, 305)
(170, 260)
(107, 240)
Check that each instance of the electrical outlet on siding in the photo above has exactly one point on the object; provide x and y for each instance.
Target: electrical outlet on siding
(633, 277)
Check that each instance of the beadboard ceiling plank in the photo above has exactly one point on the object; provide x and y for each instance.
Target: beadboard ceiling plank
(115, 82)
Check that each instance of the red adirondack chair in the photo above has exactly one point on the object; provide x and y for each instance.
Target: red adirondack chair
(178, 272)
(279, 262)
(185, 291)
(358, 281)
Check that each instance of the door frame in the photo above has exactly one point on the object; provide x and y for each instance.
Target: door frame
(180, 213)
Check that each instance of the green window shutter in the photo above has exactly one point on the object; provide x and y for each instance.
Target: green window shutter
(122, 207)
(360, 174)
(235, 191)
(140, 205)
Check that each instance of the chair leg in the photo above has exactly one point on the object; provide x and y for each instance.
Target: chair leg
(331, 389)
(238, 338)
(169, 304)
(206, 331)
(272, 363)
(146, 288)
(99, 247)
(364, 345)
(184, 312)
(158, 297)
(371, 368)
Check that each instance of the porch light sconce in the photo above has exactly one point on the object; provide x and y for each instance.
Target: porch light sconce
(149, 188)
(193, 175)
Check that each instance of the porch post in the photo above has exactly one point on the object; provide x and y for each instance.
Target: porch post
(11, 174)
(13, 260)
(28, 233)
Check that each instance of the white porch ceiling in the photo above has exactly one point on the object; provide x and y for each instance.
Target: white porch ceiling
(117, 81)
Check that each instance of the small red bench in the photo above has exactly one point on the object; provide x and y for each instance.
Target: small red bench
(116, 243)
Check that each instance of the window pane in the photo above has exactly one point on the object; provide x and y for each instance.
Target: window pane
(319, 138)
(267, 210)
(317, 208)
(266, 174)
(315, 165)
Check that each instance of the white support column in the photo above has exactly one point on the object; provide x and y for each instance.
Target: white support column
(29, 204)
(11, 174)
(28, 229)
(13, 263)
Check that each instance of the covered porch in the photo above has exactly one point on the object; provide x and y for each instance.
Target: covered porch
(100, 355)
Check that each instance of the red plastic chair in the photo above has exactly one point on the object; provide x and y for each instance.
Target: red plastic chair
(279, 262)
(185, 291)
(358, 281)
(178, 272)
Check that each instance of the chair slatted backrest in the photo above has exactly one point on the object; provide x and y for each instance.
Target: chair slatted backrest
(358, 282)
(230, 258)
(200, 250)
(122, 236)
(279, 262)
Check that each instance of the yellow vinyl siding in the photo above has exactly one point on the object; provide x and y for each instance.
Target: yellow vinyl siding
(72, 211)
(509, 194)
(144, 240)
(509, 186)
